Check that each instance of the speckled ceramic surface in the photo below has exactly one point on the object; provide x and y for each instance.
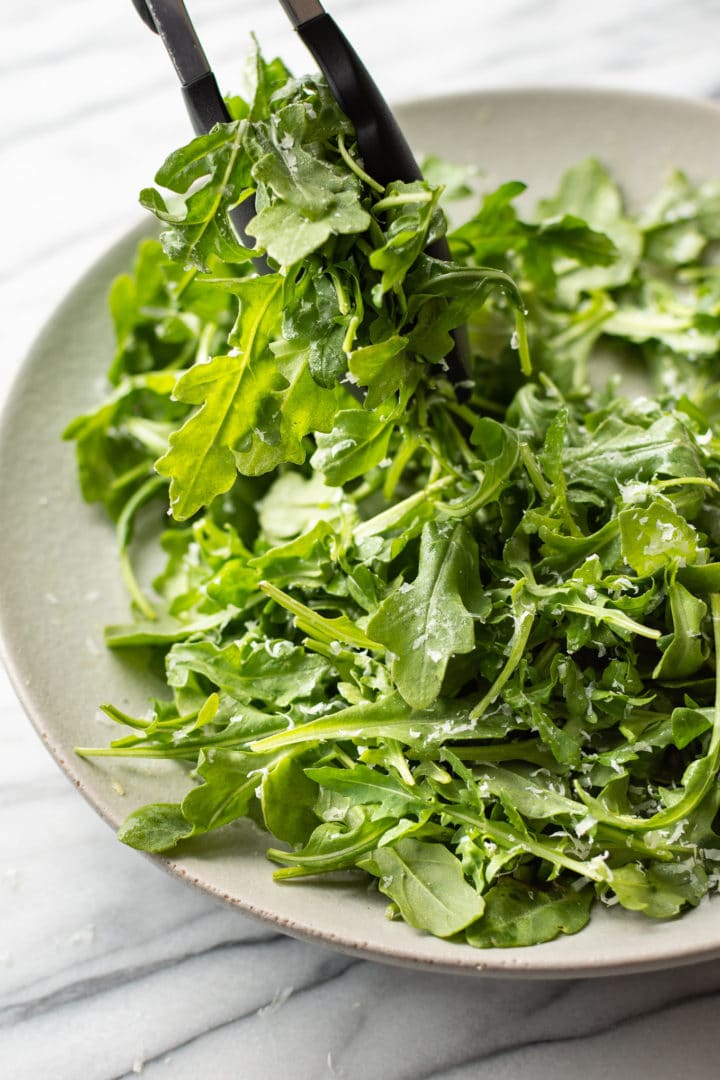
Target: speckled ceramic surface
(59, 581)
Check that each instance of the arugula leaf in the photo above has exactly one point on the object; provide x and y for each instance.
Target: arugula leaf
(207, 178)
(655, 536)
(357, 443)
(288, 235)
(496, 228)
(383, 368)
(332, 846)
(588, 192)
(388, 795)
(427, 622)
(156, 827)
(249, 669)
(314, 199)
(516, 915)
(427, 884)
(622, 451)
(227, 790)
(287, 799)
(660, 891)
(314, 322)
(500, 452)
(411, 215)
(200, 461)
(294, 504)
(686, 651)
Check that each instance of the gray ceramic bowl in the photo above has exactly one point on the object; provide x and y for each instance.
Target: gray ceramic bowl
(59, 580)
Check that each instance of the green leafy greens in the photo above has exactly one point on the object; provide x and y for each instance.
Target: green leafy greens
(468, 647)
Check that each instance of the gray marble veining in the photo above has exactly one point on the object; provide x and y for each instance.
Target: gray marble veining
(109, 968)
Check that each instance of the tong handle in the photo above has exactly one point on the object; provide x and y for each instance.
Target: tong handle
(385, 151)
(201, 93)
(204, 104)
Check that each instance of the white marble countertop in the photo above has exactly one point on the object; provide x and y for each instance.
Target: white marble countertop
(108, 968)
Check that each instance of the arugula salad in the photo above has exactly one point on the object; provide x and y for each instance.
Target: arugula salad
(464, 640)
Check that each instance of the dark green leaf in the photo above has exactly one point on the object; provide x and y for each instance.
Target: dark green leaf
(426, 882)
(426, 622)
(518, 915)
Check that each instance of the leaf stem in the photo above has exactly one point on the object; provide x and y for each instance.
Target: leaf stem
(503, 834)
(124, 537)
(354, 167)
(408, 198)
(130, 476)
(523, 627)
(387, 518)
(186, 281)
(522, 342)
(532, 468)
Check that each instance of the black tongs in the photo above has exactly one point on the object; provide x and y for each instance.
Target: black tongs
(383, 147)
